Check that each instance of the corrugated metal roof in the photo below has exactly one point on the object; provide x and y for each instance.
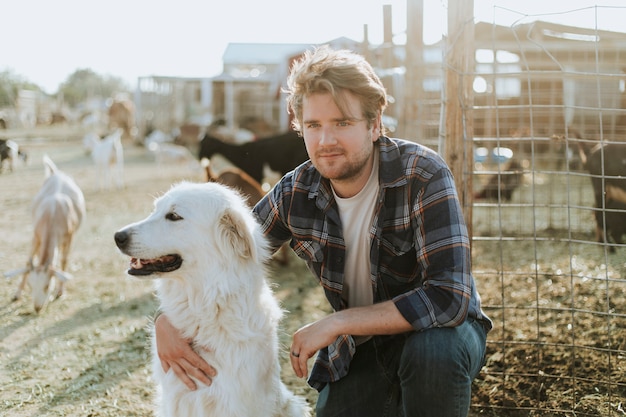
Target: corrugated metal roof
(261, 53)
(542, 34)
(275, 53)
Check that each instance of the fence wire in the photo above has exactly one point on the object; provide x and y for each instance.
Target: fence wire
(547, 251)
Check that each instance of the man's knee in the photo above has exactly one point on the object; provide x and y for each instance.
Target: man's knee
(432, 353)
(446, 349)
(437, 367)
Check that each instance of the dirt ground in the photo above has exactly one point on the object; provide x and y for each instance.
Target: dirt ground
(86, 353)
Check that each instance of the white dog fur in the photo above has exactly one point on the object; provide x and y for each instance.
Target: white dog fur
(209, 254)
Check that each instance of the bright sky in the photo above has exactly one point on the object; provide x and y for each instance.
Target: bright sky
(45, 41)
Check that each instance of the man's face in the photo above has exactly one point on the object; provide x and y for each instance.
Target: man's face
(340, 146)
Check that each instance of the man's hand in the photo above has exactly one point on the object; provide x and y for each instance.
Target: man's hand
(307, 341)
(377, 319)
(175, 352)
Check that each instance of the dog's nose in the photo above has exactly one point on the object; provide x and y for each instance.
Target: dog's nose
(121, 239)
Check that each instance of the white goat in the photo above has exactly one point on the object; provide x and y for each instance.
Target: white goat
(57, 210)
(170, 154)
(90, 140)
(108, 156)
(166, 153)
(158, 136)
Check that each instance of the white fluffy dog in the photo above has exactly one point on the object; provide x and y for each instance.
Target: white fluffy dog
(209, 254)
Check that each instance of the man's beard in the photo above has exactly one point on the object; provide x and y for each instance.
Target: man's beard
(350, 169)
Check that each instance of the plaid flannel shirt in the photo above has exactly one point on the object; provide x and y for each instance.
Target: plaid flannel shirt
(420, 252)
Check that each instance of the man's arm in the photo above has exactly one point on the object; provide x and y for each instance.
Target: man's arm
(377, 319)
(444, 255)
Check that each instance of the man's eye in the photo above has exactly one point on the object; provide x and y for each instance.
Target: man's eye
(173, 217)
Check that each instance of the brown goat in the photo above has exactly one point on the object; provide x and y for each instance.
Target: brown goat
(614, 193)
(606, 162)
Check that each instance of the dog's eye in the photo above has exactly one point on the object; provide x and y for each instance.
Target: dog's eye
(173, 217)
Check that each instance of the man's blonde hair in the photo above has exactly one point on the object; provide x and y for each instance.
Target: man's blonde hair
(325, 70)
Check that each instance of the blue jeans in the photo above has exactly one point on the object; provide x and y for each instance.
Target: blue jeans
(426, 373)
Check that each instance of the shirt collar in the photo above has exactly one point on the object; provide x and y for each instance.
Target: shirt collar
(390, 166)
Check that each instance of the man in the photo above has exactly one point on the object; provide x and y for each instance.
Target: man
(378, 222)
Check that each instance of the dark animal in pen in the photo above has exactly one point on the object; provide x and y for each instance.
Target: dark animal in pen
(10, 152)
(614, 193)
(188, 135)
(606, 164)
(502, 184)
(281, 153)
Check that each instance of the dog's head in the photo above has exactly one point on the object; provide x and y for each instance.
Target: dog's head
(193, 226)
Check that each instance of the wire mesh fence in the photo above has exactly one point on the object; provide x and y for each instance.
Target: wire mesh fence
(549, 216)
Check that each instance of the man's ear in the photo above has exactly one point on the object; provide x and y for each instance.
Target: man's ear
(376, 127)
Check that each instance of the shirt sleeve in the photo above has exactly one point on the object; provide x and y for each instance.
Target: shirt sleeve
(267, 212)
(443, 251)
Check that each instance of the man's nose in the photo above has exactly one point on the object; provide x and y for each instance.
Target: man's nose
(327, 135)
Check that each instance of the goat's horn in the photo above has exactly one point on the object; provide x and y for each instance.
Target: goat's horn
(11, 274)
(62, 275)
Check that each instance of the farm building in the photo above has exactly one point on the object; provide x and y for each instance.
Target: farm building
(249, 88)
(246, 94)
(549, 66)
(165, 103)
(539, 64)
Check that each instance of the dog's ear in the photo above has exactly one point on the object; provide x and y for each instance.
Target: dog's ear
(236, 235)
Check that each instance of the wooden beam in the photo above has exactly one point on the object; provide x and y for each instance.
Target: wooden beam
(459, 99)
(413, 111)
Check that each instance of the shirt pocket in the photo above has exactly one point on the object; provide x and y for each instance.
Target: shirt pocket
(312, 253)
(398, 259)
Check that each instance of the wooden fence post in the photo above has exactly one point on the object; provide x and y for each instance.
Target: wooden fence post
(414, 120)
(459, 99)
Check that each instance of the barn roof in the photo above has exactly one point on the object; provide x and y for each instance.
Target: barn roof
(275, 53)
(261, 53)
(540, 33)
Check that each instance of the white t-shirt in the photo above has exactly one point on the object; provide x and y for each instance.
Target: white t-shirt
(356, 217)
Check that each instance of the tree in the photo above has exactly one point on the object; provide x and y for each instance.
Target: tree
(85, 83)
(10, 84)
